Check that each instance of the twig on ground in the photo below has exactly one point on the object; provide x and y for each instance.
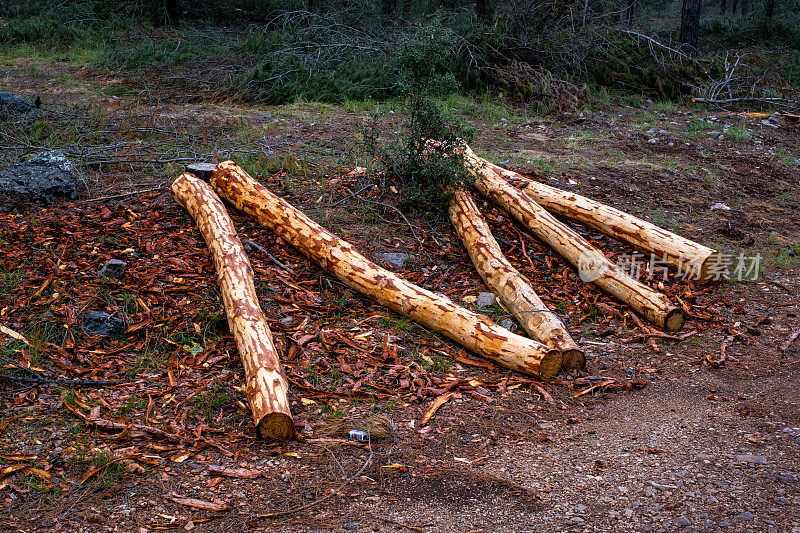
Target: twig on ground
(39, 380)
(410, 226)
(270, 256)
(125, 195)
(723, 356)
(324, 498)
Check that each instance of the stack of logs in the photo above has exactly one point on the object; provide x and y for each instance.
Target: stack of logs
(550, 347)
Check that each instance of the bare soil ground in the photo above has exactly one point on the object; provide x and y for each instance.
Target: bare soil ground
(651, 437)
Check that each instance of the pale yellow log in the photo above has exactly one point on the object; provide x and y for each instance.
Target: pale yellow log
(266, 384)
(514, 291)
(475, 332)
(592, 265)
(688, 257)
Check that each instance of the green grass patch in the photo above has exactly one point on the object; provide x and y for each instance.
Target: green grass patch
(210, 402)
(738, 132)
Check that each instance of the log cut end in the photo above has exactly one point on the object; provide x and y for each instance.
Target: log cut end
(201, 170)
(573, 359)
(713, 266)
(550, 364)
(276, 426)
(674, 320)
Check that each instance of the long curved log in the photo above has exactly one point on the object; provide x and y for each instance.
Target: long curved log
(592, 265)
(266, 384)
(475, 332)
(508, 284)
(688, 257)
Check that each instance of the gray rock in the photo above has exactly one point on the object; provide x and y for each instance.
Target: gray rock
(349, 526)
(486, 299)
(102, 323)
(719, 206)
(508, 324)
(752, 459)
(47, 175)
(287, 321)
(682, 521)
(114, 268)
(14, 107)
(393, 258)
(581, 508)
(745, 516)
(786, 477)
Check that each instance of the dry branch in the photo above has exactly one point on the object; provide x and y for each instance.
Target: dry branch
(508, 284)
(687, 256)
(266, 384)
(338, 257)
(592, 265)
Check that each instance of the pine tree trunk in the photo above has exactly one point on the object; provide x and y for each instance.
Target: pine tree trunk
(473, 331)
(266, 384)
(690, 25)
(592, 265)
(688, 257)
(508, 284)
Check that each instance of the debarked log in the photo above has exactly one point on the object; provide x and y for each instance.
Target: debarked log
(592, 265)
(508, 284)
(266, 387)
(691, 259)
(473, 331)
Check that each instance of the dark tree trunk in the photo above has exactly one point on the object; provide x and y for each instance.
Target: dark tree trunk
(734, 4)
(722, 5)
(769, 9)
(690, 25)
(480, 9)
(171, 6)
(629, 11)
(745, 7)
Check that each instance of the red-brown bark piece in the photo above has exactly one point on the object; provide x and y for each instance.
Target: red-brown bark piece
(266, 387)
(508, 284)
(475, 332)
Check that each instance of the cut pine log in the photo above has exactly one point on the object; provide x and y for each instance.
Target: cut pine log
(266, 383)
(508, 284)
(688, 257)
(592, 265)
(475, 332)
